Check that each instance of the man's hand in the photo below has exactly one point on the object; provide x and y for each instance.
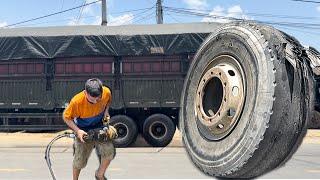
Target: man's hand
(80, 134)
(112, 132)
(106, 120)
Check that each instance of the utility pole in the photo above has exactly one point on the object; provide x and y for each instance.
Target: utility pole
(159, 12)
(104, 13)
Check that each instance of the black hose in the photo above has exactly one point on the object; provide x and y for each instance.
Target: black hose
(47, 153)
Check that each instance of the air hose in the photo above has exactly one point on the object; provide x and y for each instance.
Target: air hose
(47, 153)
(97, 134)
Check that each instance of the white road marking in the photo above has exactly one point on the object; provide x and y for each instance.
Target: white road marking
(12, 170)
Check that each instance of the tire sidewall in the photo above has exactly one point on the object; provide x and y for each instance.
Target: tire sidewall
(132, 130)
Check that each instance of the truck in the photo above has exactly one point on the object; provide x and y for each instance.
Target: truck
(242, 94)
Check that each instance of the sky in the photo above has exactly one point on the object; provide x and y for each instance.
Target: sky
(300, 19)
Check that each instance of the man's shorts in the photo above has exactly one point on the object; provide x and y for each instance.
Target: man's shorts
(82, 151)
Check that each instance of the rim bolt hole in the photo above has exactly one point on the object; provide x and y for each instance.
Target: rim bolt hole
(231, 73)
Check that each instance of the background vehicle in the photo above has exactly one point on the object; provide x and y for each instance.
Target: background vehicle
(143, 65)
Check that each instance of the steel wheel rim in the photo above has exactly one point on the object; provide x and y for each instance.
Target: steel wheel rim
(157, 130)
(220, 97)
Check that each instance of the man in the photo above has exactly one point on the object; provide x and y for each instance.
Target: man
(86, 111)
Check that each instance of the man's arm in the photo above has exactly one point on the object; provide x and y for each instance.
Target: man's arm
(68, 115)
(80, 133)
(106, 114)
(106, 117)
(71, 125)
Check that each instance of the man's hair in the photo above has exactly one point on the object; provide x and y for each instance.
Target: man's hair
(94, 87)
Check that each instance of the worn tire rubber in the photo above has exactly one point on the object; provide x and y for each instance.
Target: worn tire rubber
(167, 137)
(314, 122)
(278, 102)
(132, 130)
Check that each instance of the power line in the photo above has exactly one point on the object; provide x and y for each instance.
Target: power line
(137, 15)
(62, 4)
(41, 17)
(80, 12)
(172, 17)
(146, 17)
(315, 26)
(87, 17)
(55, 21)
(252, 14)
(133, 10)
(317, 2)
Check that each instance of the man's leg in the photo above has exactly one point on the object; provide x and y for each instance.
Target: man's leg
(76, 173)
(106, 152)
(102, 168)
(81, 155)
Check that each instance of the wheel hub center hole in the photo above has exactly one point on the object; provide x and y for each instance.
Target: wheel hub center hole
(158, 130)
(212, 96)
(122, 130)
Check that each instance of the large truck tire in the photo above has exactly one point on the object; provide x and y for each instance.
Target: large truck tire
(245, 101)
(158, 130)
(126, 128)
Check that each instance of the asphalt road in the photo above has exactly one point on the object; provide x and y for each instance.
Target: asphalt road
(172, 162)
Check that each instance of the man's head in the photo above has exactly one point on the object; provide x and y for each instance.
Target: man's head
(93, 90)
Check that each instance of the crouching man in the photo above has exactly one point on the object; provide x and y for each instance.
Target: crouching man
(88, 110)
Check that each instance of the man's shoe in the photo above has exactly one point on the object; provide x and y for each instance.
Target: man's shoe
(97, 178)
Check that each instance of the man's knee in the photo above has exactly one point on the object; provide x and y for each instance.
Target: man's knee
(79, 162)
(106, 151)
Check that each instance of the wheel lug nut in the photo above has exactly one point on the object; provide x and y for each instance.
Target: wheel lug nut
(220, 126)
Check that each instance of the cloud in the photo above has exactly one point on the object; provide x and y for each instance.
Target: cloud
(112, 21)
(87, 11)
(97, 21)
(196, 4)
(318, 8)
(91, 15)
(72, 22)
(121, 20)
(3, 24)
(90, 9)
(219, 14)
(94, 20)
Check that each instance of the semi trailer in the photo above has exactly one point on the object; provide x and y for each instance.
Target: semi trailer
(41, 69)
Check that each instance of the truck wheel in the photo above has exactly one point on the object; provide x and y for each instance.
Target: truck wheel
(126, 128)
(158, 130)
(245, 102)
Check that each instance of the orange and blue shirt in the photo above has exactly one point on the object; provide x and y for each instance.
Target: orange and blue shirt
(85, 114)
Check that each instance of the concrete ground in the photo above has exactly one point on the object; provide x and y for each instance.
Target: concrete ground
(22, 157)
